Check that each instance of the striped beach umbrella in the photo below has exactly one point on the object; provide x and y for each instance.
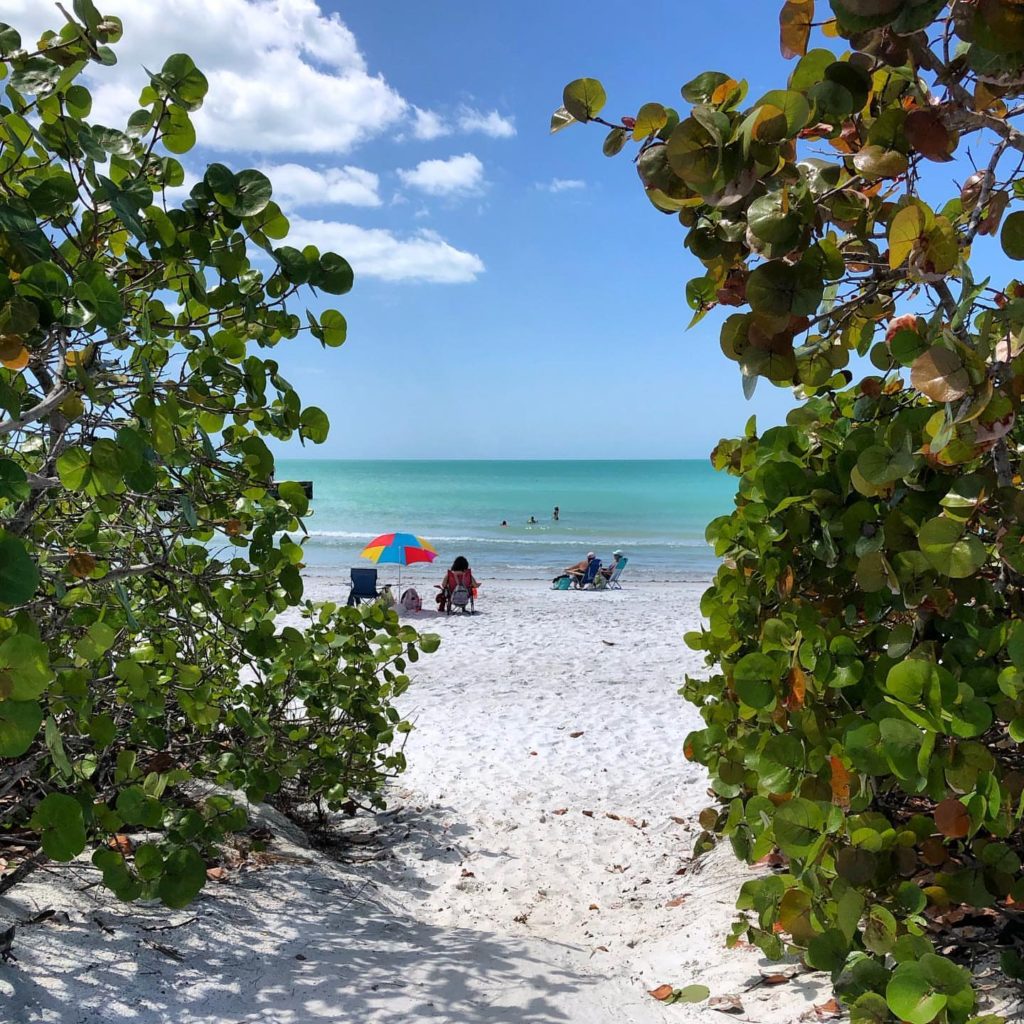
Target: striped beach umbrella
(399, 549)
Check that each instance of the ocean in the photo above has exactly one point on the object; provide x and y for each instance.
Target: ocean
(654, 511)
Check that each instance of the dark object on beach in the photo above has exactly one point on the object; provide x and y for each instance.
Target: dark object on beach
(364, 586)
(554, 514)
(7, 942)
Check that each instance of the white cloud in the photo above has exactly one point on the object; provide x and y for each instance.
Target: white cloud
(375, 252)
(298, 185)
(491, 123)
(427, 124)
(561, 185)
(458, 175)
(284, 76)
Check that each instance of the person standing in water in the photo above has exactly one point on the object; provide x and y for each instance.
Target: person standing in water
(554, 514)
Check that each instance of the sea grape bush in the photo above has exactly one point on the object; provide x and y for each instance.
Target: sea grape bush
(865, 714)
(146, 555)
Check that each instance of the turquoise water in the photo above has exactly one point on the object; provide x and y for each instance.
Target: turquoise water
(655, 512)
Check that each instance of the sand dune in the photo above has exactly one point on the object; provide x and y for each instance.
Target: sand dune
(533, 867)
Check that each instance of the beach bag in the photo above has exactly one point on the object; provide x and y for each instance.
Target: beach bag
(387, 598)
(411, 601)
(460, 595)
(561, 583)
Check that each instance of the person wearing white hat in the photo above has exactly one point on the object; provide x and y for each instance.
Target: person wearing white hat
(607, 570)
(578, 571)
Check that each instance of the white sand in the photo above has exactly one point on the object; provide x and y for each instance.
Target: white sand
(486, 903)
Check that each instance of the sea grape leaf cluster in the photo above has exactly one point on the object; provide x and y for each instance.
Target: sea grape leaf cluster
(146, 551)
(865, 712)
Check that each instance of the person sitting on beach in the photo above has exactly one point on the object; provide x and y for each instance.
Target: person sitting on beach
(459, 573)
(578, 571)
(607, 570)
(504, 522)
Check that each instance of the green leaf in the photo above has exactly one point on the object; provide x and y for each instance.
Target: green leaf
(19, 576)
(184, 874)
(19, 726)
(26, 663)
(252, 193)
(59, 818)
(754, 677)
(314, 424)
(136, 808)
(911, 997)
(911, 679)
(584, 98)
(614, 141)
(13, 481)
(880, 465)
(182, 80)
(949, 549)
(691, 994)
(1012, 235)
(333, 274)
(334, 328)
(778, 288)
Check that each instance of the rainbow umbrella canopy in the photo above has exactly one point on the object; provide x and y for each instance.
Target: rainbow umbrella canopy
(399, 549)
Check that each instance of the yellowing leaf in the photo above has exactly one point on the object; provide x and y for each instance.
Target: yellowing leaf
(905, 231)
(18, 360)
(795, 20)
(651, 118)
(79, 357)
(939, 374)
(830, 29)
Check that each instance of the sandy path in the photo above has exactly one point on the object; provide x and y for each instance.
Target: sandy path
(487, 906)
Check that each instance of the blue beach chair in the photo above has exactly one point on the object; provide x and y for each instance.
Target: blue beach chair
(364, 586)
(587, 579)
(613, 580)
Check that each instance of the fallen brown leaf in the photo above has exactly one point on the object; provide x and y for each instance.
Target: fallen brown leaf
(588, 814)
(576, 735)
(594, 906)
(661, 993)
(828, 1010)
(677, 902)
(122, 844)
(614, 817)
(561, 810)
(533, 753)
(466, 873)
(678, 821)
(216, 874)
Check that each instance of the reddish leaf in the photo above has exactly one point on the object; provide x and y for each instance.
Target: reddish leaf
(561, 810)
(840, 782)
(796, 690)
(928, 135)
(661, 993)
(677, 902)
(952, 819)
(828, 1010)
(81, 564)
(795, 27)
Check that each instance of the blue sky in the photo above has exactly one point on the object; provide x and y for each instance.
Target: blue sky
(516, 295)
